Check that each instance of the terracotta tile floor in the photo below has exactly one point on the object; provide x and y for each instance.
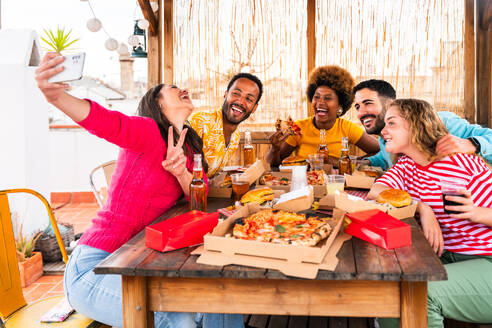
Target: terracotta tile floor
(80, 215)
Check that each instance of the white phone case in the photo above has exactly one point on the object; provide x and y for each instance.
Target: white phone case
(74, 66)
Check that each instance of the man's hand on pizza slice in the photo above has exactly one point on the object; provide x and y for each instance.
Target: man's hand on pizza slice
(277, 139)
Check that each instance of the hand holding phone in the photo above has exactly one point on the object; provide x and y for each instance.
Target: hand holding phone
(73, 68)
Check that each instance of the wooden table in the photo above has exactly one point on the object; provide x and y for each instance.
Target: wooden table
(368, 282)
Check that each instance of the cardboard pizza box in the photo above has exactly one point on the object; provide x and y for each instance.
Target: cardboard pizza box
(296, 201)
(255, 171)
(218, 192)
(319, 190)
(218, 242)
(351, 204)
(301, 270)
(328, 168)
(215, 189)
(279, 175)
(359, 180)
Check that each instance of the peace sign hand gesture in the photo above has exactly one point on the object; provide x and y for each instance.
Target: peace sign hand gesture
(175, 161)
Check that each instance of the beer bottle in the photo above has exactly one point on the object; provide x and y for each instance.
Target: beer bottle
(344, 163)
(198, 197)
(322, 149)
(248, 150)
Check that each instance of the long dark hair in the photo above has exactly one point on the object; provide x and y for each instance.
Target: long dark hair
(149, 107)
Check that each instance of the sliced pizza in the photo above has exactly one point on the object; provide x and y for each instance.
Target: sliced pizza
(288, 127)
(316, 178)
(282, 227)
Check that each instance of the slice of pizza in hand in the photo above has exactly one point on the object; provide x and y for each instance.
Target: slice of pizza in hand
(288, 127)
(294, 128)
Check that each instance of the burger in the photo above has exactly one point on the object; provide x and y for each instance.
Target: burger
(395, 197)
(293, 161)
(260, 196)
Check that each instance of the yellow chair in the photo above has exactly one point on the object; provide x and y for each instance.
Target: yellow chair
(14, 312)
(101, 191)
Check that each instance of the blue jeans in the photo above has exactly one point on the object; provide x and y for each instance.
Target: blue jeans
(99, 296)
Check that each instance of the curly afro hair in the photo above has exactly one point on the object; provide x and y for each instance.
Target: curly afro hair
(336, 78)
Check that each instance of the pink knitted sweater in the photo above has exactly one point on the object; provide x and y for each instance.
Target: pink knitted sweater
(140, 190)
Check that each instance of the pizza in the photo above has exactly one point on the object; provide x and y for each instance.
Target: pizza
(316, 178)
(271, 180)
(288, 127)
(282, 227)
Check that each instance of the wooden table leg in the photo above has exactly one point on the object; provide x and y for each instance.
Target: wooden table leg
(413, 304)
(134, 299)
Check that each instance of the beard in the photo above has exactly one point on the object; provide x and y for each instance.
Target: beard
(226, 113)
(378, 125)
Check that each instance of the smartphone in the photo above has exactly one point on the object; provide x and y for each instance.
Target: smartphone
(74, 66)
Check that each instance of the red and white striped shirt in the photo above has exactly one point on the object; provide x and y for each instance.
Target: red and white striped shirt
(422, 183)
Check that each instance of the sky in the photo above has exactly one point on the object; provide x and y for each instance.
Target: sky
(117, 17)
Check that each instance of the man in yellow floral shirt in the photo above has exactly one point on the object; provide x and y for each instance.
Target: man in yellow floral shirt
(218, 129)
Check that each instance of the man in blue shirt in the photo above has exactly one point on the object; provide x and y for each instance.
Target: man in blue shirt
(372, 98)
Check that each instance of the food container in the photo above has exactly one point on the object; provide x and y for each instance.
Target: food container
(180, 231)
(379, 228)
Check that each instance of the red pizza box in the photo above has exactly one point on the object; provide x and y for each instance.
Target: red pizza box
(180, 231)
(379, 228)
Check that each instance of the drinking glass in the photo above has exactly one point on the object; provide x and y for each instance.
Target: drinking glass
(315, 162)
(239, 186)
(335, 182)
(452, 187)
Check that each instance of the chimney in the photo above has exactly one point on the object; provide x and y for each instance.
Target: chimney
(126, 75)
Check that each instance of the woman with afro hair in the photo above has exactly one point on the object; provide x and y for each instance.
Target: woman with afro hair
(330, 92)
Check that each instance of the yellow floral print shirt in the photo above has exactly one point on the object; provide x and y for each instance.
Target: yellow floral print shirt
(209, 126)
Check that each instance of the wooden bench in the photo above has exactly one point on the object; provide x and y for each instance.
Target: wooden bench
(283, 321)
(266, 321)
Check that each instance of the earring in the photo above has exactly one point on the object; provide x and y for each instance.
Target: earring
(339, 112)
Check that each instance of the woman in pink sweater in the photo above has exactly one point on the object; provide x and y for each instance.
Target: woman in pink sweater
(152, 172)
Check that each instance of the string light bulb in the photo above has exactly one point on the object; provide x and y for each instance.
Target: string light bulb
(122, 49)
(94, 24)
(133, 40)
(111, 44)
(143, 24)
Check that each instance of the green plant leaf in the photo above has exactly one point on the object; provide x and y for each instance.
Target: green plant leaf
(58, 40)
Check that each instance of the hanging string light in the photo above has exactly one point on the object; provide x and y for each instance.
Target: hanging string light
(94, 25)
(138, 46)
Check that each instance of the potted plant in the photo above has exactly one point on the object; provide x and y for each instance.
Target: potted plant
(58, 40)
(30, 262)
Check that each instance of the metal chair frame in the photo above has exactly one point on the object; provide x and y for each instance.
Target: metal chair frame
(108, 169)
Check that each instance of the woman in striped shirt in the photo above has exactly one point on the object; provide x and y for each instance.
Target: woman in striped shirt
(463, 240)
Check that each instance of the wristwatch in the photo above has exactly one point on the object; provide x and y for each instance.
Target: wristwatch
(475, 142)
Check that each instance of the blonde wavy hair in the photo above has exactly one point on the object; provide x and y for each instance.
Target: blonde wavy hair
(426, 127)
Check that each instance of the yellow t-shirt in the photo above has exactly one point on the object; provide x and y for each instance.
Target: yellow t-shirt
(209, 126)
(308, 143)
